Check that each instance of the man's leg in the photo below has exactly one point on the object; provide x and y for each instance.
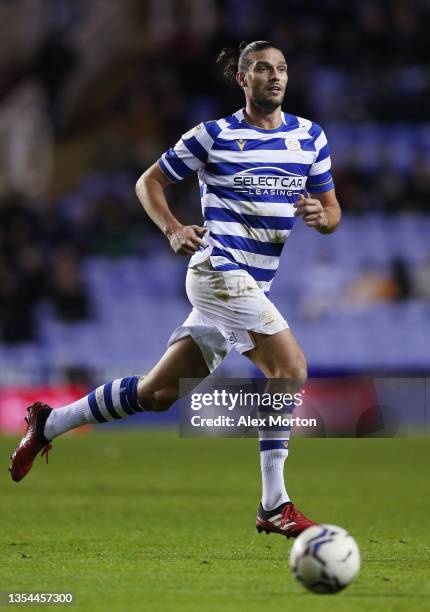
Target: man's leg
(159, 389)
(115, 400)
(122, 397)
(282, 361)
(196, 348)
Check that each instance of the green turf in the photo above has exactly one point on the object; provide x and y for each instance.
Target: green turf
(148, 521)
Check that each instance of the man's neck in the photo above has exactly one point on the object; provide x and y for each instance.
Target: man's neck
(263, 119)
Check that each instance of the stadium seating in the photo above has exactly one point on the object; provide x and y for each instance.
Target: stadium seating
(136, 302)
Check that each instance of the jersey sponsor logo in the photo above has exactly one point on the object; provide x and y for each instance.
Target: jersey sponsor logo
(274, 181)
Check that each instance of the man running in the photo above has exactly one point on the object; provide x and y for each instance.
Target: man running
(256, 169)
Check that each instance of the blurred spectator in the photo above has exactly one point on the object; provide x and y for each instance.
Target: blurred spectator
(421, 277)
(322, 286)
(349, 183)
(22, 276)
(401, 278)
(418, 184)
(22, 284)
(65, 288)
(16, 308)
(54, 62)
(112, 234)
(371, 285)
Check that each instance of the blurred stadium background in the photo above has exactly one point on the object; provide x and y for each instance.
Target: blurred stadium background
(92, 92)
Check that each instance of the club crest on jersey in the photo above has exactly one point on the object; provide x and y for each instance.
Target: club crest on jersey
(241, 143)
(292, 144)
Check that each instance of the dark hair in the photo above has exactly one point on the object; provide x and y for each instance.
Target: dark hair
(235, 60)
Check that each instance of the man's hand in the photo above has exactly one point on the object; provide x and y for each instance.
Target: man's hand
(312, 211)
(186, 239)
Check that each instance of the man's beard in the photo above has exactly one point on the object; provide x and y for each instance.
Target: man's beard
(267, 105)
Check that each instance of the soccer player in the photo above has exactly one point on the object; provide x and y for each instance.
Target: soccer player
(256, 169)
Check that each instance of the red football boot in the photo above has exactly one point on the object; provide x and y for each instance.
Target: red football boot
(32, 443)
(285, 519)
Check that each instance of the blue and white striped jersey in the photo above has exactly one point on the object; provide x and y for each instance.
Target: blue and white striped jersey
(249, 180)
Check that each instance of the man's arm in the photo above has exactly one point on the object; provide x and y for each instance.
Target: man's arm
(321, 211)
(184, 240)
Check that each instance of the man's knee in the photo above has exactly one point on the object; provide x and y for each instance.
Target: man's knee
(293, 374)
(156, 401)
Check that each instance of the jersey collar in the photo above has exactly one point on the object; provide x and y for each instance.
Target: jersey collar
(240, 116)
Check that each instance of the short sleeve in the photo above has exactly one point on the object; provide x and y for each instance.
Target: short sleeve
(190, 153)
(319, 175)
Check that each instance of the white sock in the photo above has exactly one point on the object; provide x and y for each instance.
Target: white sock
(68, 417)
(115, 400)
(272, 474)
(274, 442)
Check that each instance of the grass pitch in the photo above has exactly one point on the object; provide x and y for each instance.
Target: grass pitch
(143, 520)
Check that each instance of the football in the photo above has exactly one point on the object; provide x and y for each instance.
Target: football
(325, 559)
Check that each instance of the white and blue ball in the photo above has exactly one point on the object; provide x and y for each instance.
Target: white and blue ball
(325, 559)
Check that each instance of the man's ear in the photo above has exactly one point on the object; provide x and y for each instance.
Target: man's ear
(241, 80)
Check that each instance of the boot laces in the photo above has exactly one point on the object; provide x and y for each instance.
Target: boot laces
(45, 451)
(289, 514)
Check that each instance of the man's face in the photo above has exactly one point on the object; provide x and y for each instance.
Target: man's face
(265, 80)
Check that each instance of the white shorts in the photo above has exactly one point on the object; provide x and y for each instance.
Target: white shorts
(226, 306)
